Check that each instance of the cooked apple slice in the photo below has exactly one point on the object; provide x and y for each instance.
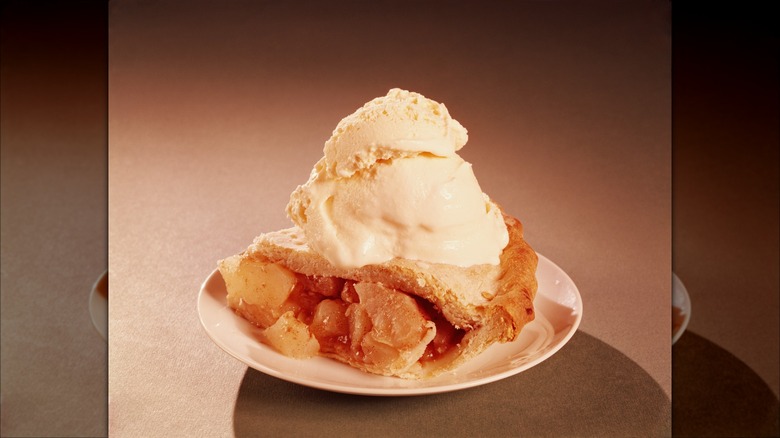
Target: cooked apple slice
(396, 318)
(325, 286)
(292, 337)
(330, 325)
(260, 288)
(387, 326)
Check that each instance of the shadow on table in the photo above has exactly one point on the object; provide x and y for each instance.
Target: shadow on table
(716, 394)
(588, 388)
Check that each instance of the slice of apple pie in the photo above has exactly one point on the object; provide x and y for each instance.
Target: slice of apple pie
(399, 318)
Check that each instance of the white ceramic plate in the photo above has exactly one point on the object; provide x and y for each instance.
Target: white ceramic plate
(98, 305)
(681, 308)
(558, 314)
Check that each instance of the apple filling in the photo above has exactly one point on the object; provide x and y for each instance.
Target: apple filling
(362, 323)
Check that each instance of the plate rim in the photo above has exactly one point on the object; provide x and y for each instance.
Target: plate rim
(97, 301)
(679, 286)
(577, 310)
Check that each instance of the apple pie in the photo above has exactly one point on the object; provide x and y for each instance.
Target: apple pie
(402, 318)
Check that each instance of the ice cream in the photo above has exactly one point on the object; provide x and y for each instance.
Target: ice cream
(391, 184)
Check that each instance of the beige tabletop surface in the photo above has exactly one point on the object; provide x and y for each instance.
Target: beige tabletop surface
(217, 113)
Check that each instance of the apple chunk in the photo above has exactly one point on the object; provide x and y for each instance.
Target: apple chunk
(330, 325)
(395, 317)
(291, 337)
(264, 286)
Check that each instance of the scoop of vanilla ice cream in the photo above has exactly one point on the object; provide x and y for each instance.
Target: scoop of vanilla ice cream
(400, 124)
(392, 185)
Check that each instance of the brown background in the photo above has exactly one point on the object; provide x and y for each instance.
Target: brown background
(54, 219)
(725, 184)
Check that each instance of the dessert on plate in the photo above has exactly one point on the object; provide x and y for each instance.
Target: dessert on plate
(397, 264)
